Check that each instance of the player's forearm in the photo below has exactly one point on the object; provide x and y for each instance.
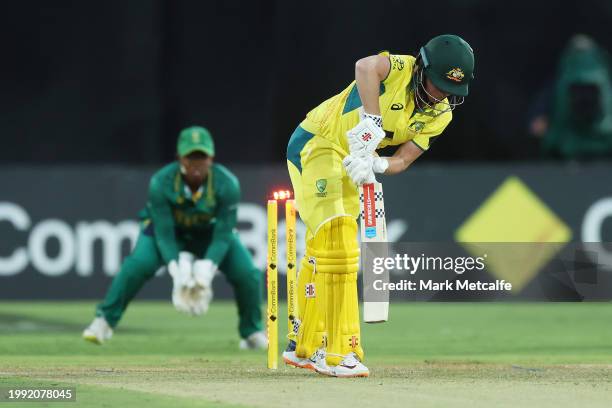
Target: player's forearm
(220, 242)
(403, 158)
(217, 250)
(396, 165)
(223, 231)
(368, 75)
(166, 240)
(163, 228)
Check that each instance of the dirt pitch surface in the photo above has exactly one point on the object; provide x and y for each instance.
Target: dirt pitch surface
(429, 355)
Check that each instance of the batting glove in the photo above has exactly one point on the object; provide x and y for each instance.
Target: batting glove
(380, 164)
(359, 168)
(364, 138)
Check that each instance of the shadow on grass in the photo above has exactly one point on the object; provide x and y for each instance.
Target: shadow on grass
(16, 323)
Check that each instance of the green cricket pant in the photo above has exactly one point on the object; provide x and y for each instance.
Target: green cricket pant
(145, 260)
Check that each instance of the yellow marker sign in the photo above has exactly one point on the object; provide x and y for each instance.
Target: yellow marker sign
(515, 216)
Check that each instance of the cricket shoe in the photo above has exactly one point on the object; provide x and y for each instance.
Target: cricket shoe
(290, 358)
(98, 331)
(256, 341)
(319, 363)
(350, 366)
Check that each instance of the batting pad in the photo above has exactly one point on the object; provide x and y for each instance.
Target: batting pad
(334, 255)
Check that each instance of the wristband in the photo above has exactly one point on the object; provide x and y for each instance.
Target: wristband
(376, 118)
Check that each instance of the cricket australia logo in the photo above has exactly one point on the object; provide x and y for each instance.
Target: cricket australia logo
(195, 136)
(455, 74)
(354, 341)
(321, 186)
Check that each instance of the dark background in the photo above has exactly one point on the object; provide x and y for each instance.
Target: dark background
(114, 81)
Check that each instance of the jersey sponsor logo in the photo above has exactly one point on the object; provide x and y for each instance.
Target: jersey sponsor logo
(397, 62)
(366, 137)
(397, 106)
(321, 185)
(455, 74)
(187, 219)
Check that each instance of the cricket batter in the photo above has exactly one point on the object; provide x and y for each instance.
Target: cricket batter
(395, 100)
(191, 209)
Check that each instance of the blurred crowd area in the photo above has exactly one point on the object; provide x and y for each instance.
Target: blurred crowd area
(114, 81)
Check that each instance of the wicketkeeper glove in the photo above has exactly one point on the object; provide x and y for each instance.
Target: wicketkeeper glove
(202, 294)
(182, 283)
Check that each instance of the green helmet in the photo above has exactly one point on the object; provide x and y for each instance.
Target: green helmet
(448, 61)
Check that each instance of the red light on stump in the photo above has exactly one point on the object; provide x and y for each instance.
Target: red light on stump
(282, 195)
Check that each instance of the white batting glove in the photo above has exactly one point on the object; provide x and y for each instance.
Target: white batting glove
(364, 138)
(380, 164)
(359, 168)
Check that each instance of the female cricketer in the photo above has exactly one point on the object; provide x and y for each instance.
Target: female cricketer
(192, 208)
(395, 100)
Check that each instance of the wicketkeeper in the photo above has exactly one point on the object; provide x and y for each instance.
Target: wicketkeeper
(395, 100)
(189, 225)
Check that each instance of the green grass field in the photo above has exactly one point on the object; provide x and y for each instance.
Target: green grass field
(428, 355)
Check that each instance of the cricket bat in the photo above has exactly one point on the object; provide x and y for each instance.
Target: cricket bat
(373, 229)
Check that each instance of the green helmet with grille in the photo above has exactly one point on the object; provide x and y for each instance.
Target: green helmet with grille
(448, 61)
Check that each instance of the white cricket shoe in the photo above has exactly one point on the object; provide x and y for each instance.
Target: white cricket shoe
(256, 341)
(351, 366)
(290, 358)
(98, 331)
(319, 363)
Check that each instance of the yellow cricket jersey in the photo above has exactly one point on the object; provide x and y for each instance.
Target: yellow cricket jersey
(401, 121)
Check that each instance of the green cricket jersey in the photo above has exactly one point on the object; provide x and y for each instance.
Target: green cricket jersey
(177, 214)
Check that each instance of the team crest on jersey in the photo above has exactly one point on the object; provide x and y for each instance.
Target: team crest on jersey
(455, 74)
(321, 186)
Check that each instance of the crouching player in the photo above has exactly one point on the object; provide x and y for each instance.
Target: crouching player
(395, 100)
(189, 225)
